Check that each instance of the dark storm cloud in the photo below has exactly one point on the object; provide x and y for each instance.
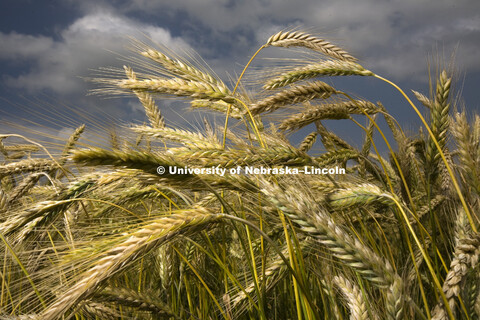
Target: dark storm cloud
(392, 38)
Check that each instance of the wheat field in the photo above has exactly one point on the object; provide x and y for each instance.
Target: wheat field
(162, 224)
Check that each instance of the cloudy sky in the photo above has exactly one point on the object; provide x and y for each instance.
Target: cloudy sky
(48, 46)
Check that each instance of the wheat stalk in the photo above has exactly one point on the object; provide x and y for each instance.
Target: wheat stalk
(301, 39)
(71, 143)
(340, 110)
(124, 253)
(337, 156)
(145, 161)
(312, 90)
(219, 106)
(20, 317)
(45, 210)
(468, 148)
(151, 110)
(4, 199)
(272, 272)
(21, 147)
(308, 142)
(317, 224)
(359, 195)
(178, 87)
(187, 138)
(329, 139)
(466, 256)
(131, 298)
(29, 165)
(324, 68)
(354, 297)
(95, 310)
(24, 186)
(423, 99)
(180, 68)
(439, 122)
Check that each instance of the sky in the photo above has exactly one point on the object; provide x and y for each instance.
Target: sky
(48, 47)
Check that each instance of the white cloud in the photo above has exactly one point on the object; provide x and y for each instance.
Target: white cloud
(86, 44)
(17, 46)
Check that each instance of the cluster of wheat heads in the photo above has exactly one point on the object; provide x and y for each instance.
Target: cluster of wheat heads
(97, 233)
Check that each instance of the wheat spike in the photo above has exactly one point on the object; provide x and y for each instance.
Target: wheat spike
(187, 138)
(312, 90)
(21, 147)
(308, 142)
(145, 161)
(4, 199)
(324, 68)
(131, 298)
(354, 297)
(301, 39)
(423, 99)
(359, 195)
(178, 87)
(343, 246)
(180, 68)
(153, 113)
(23, 187)
(468, 149)
(340, 110)
(219, 106)
(439, 123)
(95, 309)
(22, 166)
(466, 256)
